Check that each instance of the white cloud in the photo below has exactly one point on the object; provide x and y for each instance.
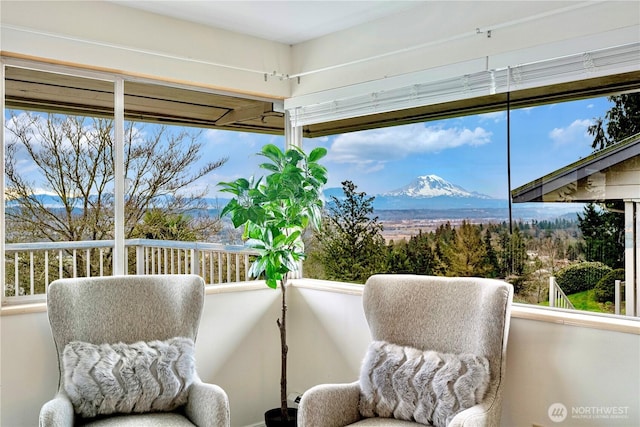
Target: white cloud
(370, 148)
(575, 132)
(496, 116)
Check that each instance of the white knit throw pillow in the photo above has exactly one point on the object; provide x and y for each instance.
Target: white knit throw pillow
(422, 386)
(124, 378)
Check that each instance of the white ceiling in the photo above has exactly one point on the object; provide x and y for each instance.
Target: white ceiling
(288, 21)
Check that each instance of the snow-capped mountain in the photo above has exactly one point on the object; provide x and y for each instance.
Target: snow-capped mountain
(433, 186)
(427, 192)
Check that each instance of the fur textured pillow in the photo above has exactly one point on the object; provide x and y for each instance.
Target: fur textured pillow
(124, 378)
(422, 386)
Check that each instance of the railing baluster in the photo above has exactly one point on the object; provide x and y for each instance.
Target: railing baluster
(33, 265)
(46, 271)
(32, 274)
(165, 252)
(203, 266)
(60, 267)
(617, 296)
(557, 297)
(16, 270)
(237, 257)
(75, 263)
(211, 268)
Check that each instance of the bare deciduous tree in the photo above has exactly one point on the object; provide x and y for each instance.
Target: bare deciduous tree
(71, 157)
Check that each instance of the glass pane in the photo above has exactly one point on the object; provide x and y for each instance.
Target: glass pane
(172, 174)
(434, 196)
(58, 178)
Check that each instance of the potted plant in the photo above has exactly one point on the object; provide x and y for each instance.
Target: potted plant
(275, 210)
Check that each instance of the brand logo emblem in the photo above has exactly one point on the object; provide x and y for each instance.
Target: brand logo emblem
(557, 412)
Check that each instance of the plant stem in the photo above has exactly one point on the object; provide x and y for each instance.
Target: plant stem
(282, 325)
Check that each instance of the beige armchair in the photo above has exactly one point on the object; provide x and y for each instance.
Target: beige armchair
(122, 329)
(451, 316)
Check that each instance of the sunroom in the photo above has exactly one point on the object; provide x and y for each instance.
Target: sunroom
(313, 70)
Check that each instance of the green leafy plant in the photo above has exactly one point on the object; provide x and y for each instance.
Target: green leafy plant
(275, 210)
(605, 289)
(581, 277)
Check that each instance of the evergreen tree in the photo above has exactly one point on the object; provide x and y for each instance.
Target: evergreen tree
(420, 257)
(468, 254)
(492, 265)
(444, 237)
(351, 240)
(619, 122)
(512, 253)
(603, 234)
(397, 258)
(603, 231)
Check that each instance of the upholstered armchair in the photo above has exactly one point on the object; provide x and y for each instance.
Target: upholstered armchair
(437, 358)
(125, 348)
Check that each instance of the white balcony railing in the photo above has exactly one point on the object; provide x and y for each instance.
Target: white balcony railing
(32, 266)
(557, 297)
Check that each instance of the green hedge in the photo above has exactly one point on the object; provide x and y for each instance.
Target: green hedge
(605, 289)
(581, 277)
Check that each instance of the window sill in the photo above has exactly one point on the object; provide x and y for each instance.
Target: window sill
(606, 322)
(630, 325)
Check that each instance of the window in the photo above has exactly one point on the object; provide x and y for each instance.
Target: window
(442, 193)
(60, 179)
(442, 187)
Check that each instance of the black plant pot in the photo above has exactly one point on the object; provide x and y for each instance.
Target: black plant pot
(273, 418)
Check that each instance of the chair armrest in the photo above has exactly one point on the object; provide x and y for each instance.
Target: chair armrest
(329, 405)
(207, 405)
(57, 412)
(484, 414)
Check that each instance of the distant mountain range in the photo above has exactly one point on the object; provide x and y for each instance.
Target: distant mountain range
(428, 192)
(430, 196)
(427, 196)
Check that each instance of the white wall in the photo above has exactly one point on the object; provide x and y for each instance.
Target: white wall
(238, 348)
(109, 36)
(579, 367)
(547, 362)
(442, 33)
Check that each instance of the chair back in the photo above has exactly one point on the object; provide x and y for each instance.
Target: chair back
(124, 309)
(444, 314)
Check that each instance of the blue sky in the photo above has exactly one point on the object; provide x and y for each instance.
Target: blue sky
(467, 151)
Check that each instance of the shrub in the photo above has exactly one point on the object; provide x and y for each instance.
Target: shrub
(581, 277)
(605, 288)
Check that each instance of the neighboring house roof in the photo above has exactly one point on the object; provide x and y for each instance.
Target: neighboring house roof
(607, 175)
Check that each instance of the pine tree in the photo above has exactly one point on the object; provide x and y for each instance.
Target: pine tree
(603, 233)
(351, 240)
(468, 252)
(619, 122)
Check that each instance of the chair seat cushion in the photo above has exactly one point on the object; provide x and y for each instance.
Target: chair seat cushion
(385, 422)
(163, 419)
(128, 378)
(427, 387)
